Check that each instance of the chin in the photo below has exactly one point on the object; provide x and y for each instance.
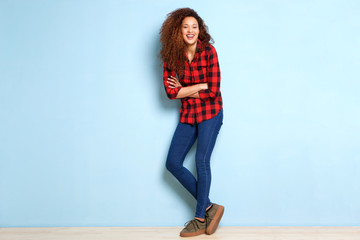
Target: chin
(191, 42)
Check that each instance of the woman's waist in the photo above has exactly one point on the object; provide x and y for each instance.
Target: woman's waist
(197, 101)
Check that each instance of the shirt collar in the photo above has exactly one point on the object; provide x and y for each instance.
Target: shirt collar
(198, 45)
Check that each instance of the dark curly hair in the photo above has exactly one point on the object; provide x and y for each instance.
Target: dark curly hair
(173, 45)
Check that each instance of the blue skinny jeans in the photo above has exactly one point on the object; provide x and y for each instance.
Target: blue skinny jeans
(184, 137)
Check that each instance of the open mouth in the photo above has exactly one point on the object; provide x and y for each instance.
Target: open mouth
(190, 36)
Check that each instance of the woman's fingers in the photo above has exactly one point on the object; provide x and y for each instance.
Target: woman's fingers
(173, 82)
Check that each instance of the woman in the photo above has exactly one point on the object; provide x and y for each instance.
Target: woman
(187, 52)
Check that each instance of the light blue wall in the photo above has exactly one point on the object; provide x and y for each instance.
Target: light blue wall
(85, 124)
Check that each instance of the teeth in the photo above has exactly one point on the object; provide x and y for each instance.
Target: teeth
(190, 36)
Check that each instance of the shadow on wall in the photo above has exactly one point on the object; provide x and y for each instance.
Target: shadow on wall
(169, 105)
(164, 101)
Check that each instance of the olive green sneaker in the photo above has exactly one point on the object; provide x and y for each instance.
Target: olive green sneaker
(193, 228)
(212, 217)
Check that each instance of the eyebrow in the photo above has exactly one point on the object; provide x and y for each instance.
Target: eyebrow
(190, 24)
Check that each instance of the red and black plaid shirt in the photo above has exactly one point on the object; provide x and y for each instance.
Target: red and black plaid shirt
(204, 68)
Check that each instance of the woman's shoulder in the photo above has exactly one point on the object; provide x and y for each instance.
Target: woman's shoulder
(210, 49)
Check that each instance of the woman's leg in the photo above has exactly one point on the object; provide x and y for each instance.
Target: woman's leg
(207, 133)
(183, 139)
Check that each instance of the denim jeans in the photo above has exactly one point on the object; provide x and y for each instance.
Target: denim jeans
(184, 137)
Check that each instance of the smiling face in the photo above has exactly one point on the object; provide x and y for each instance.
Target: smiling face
(190, 30)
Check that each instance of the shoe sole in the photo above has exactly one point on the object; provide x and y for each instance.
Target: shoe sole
(192, 234)
(216, 220)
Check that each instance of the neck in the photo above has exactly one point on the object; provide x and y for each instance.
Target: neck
(191, 48)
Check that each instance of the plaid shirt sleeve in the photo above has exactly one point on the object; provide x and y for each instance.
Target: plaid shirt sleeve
(214, 76)
(171, 92)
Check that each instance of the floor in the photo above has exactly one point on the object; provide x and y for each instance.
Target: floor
(156, 233)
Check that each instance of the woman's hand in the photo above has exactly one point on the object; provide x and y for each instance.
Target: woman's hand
(204, 85)
(173, 82)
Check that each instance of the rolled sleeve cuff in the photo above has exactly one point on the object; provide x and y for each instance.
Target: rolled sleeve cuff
(173, 92)
(206, 93)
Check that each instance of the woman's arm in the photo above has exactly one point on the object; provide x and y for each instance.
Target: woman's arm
(195, 95)
(190, 91)
(213, 75)
(170, 91)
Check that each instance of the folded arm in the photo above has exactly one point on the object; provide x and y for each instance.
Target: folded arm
(190, 91)
(213, 75)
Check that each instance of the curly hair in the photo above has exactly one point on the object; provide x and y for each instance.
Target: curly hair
(171, 39)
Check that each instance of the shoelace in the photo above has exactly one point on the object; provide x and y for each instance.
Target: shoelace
(190, 221)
